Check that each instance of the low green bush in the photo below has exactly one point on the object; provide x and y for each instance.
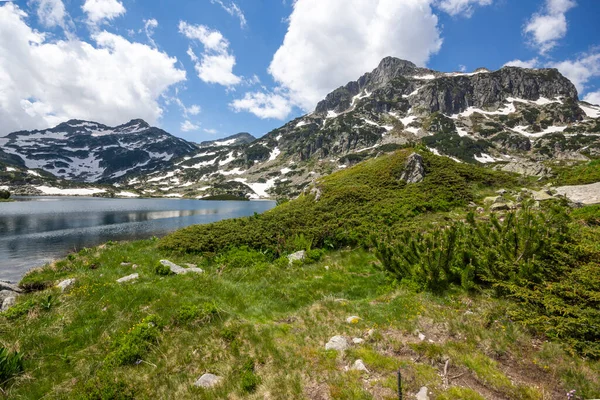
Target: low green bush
(134, 344)
(11, 364)
(162, 270)
(191, 312)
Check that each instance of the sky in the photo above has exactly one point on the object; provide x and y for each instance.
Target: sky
(206, 69)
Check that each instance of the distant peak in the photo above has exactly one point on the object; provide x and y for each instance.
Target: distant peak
(393, 61)
(139, 122)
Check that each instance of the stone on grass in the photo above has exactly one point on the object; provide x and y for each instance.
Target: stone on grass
(357, 340)
(125, 264)
(423, 394)
(66, 284)
(128, 278)
(414, 169)
(337, 343)
(297, 256)
(421, 337)
(359, 366)
(208, 381)
(8, 303)
(9, 286)
(353, 319)
(179, 270)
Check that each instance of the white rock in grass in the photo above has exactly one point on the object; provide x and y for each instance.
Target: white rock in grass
(8, 303)
(66, 284)
(357, 340)
(423, 394)
(359, 366)
(353, 319)
(179, 270)
(338, 343)
(208, 381)
(128, 278)
(297, 256)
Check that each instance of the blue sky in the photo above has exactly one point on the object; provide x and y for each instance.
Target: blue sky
(205, 69)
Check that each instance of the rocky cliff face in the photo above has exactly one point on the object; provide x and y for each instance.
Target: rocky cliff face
(514, 119)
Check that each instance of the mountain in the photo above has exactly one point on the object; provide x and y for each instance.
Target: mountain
(514, 119)
(91, 152)
(233, 140)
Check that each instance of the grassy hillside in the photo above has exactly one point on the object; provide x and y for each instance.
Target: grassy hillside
(262, 324)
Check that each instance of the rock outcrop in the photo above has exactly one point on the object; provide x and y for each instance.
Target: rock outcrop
(414, 171)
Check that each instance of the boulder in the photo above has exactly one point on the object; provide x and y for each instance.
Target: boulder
(584, 194)
(542, 195)
(9, 286)
(208, 381)
(359, 366)
(8, 303)
(423, 394)
(297, 256)
(414, 170)
(337, 343)
(128, 278)
(66, 284)
(179, 270)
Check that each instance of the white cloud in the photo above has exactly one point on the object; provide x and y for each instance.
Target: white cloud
(549, 26)
(581, 70)
(234, 10)
(593, 97)
(188, 126)
(51, 13)
(193, 110)
(263, 105)
(329, 43)
(461, 7)
(149, 26)
(110, 80)
(216, 63)
(99, 10)
(211, 131)
(462, 68)
(533, 63)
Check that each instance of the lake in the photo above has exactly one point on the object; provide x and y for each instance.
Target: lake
(37, 230)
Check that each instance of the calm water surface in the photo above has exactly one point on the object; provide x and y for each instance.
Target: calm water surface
(36, 230)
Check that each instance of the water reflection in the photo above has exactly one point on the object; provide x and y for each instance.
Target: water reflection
(36, 230)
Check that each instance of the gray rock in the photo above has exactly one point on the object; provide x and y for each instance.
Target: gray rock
(500, 207)
(9, 286)
(358, 340)
(179, 270)
(423, 394)
(584, 194)
(66, 284)
(359, 366)
(414, 170)
(8, 303)
(316, 192)
(297, 256)
(527, 168)
(491, 200)
(125, 264)
(542, 195)
(208, 381)
(337, 343)
(4, 294)
(128, 278)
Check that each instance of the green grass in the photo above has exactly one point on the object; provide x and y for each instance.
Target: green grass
(581, 174)
(261, 324)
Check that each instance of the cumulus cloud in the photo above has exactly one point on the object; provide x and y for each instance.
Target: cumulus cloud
(211, 131)
(234, 10)
(461, 7)
(593, 97)
(192, 110)
(188, 126)
(533, 63)
(100, 10)
(51, 13)
(550, 25)
(581, 70)
(110, 80)
(264, 105)
(329, 43)
(216, 62)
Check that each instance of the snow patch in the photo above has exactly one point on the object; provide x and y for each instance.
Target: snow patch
(69, 192)
(274, 154)
(592, 112)
(229, 159)
(424, 77)
(235, 171)
(485, 158)
(298, 125)
(10, 169)
(127, 194)
(331, 114)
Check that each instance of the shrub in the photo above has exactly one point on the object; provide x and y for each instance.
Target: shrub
(191, 312)
(4, 195)
(162, 270)
(104, 387)
(11, 364)
(249, 381)
(134, 344)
